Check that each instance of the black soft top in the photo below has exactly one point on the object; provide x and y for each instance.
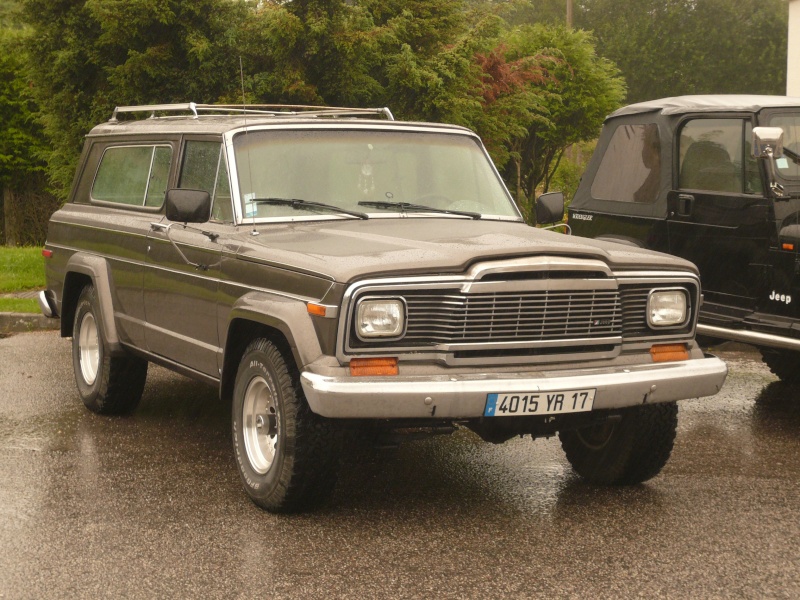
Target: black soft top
(667, 114)
(679, 105)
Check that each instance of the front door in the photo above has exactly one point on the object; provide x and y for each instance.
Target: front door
(181, 280)
(719, 215)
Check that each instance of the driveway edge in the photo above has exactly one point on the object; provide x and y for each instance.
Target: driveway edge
(11, 322)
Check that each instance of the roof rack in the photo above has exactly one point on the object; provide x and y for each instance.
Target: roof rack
(274, 110)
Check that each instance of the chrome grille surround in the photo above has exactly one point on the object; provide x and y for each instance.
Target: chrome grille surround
(548, 309)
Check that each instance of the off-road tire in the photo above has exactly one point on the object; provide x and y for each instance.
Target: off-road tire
(624, 451)
(108, 385)
(783, 363)
(291, 463)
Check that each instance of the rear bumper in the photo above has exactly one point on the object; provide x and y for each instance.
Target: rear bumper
(48, 309)
(464, 396)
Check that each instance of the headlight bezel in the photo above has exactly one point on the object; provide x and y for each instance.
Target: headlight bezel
(687, 309)
(396, 334)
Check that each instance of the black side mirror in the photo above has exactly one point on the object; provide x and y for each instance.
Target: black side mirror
(188, 206)
(550, 208)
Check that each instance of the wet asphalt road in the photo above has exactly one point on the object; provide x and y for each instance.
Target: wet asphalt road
(150, 506)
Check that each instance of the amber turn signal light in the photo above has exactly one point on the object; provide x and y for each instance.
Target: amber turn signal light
(316, 309)
(669, 352)
(360, 367)
(786, 246)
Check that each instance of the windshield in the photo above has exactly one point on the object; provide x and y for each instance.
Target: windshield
(790, 123)
(342, 168)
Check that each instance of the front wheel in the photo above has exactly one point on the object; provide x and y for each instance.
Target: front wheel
(109, 385)
(626, 450)
(783, 363)
(287, 456)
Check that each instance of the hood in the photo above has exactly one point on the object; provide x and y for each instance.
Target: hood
(346, 250)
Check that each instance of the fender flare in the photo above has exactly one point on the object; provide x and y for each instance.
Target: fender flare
(285, 314)
(96, 268)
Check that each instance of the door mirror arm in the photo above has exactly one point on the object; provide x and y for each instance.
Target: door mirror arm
(768, 145)
(165, 228)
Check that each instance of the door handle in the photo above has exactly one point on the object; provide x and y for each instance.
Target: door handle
(685, 202)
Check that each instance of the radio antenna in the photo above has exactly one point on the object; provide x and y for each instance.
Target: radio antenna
(246, 131)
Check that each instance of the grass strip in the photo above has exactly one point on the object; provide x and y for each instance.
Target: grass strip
(19, 305)
(21, 269)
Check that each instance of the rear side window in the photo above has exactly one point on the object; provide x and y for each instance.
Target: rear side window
(133, 175)
(630, 170)
(715, 156)
(204, 169)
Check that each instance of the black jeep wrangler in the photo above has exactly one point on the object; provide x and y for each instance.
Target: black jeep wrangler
(716, 180)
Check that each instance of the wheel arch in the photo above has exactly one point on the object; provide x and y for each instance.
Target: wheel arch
(284, 321)
(81, 270)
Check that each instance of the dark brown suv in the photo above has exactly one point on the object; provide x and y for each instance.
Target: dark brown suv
(333, 270)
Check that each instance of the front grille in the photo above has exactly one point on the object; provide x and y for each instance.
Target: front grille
(451, 317)
(530, 322)
(507, 317)
(634, 310)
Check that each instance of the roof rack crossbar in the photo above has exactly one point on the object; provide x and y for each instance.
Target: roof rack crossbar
(254, 109)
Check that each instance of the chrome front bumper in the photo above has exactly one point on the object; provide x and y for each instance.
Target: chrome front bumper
(464, 396)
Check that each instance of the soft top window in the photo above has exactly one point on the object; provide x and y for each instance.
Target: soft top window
(710, 155)
(631, 167)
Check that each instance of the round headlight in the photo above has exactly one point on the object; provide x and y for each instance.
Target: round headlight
(667, 308)
(380, 318)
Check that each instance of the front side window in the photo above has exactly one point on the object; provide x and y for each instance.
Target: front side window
(204, 169)
(631, 167)
(788, 167)
(716, 156)
(345, 168)
(133, 175)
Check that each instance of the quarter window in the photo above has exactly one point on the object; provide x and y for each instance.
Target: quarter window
(133, 175)
(631, 167)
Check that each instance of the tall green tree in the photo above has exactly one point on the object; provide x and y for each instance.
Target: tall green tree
(674, 47)
(88, 56)
(529, 91)
(25, 204)
(580, 89)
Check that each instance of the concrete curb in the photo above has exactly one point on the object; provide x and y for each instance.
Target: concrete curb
(21, 322)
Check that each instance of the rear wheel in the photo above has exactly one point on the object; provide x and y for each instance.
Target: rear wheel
(106, 384)
(287, 456)
(626, 450)
(783, 363)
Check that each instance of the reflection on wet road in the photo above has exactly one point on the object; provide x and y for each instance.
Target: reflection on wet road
(151, 506)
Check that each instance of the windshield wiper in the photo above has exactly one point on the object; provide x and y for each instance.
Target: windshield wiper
(793, 155)
(404, 206)
(298, 204)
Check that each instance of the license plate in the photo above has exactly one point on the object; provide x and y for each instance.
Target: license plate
(539, 403)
